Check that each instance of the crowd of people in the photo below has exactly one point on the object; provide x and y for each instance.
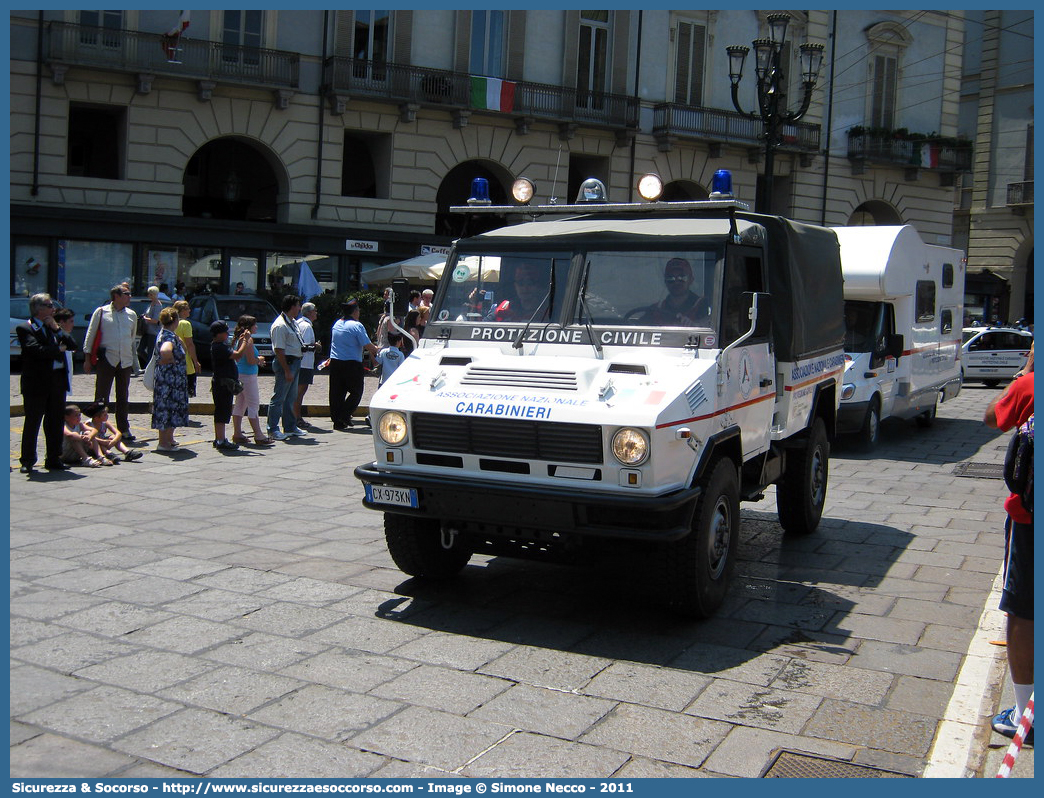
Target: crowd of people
(162, 338)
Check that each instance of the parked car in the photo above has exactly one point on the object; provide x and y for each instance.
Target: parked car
(992, 354)
(208, 308)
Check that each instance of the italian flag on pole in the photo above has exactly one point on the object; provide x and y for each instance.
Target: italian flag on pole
(492, 94)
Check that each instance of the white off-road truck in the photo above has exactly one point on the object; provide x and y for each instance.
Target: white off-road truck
(618, 375)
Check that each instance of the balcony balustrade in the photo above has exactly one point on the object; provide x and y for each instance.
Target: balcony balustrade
(1020, 194)
(70, 44)
(453, 90)
(731, 127)
(922, 153)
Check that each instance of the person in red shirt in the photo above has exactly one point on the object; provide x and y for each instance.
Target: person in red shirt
(1010, 409)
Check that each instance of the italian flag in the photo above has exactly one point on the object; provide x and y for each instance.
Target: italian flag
(930, 155)
(492, 94)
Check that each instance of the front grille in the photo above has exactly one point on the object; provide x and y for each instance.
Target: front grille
(524, 440)
(520, 378)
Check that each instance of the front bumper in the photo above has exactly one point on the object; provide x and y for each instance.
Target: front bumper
(471, 502)
(850, 416)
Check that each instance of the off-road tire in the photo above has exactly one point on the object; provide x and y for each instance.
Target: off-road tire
(694, 572)
(801, 492)
(870, 431)
(415, 544)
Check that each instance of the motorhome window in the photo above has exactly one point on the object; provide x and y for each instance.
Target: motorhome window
(669, 288)
(503, 287)
(946, 324)
(947, 275)
(925, 300)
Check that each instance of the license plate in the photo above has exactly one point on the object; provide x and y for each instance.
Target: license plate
(398, 497)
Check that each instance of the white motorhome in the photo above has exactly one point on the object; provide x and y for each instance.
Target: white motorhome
(904, 306)
(673, 360)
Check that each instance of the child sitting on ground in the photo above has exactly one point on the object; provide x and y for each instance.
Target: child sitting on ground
(105, 434)
(77, 444)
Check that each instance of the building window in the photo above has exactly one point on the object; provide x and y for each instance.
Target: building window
(90, 269)
(242, 35)
(109, 21)
(887, 42)
(487, 43)
(592, 58)
(882, 91)
(30, 269)
(365, 164)
(688, 79)
(96, 135)
(370, 48)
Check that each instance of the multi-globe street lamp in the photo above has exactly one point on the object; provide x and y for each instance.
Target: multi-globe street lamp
(771, 88)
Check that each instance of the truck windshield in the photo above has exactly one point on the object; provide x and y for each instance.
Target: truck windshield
(505, 288)
(863, 322)
(652, 289)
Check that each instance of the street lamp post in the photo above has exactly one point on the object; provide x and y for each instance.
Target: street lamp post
(771, 87)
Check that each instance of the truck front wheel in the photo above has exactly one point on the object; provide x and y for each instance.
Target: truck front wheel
(871, 429)
(801, 492)
(417, 547)
(695, 570)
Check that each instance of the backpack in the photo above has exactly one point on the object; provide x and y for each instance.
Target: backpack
(1018, 464)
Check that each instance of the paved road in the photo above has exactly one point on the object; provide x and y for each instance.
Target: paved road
(238, 615)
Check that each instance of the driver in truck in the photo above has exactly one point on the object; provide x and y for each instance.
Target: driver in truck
(682, 307)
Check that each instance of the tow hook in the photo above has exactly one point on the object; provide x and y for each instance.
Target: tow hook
(448, 538)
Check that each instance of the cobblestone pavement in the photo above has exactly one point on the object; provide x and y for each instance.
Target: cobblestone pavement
(237, 614)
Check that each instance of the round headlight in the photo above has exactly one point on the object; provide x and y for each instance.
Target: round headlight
(630, 446)
(522, 190)
(392, 428)
(650, 187)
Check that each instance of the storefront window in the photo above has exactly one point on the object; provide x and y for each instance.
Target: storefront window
(283, 270)
(88, 269)
(199, 268)
(30, 268)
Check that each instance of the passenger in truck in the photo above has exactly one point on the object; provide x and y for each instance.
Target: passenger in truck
(682, 307)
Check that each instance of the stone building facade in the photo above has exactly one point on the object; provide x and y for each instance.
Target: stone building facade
(256, 140)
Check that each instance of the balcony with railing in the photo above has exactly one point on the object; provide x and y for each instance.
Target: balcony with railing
(421, 86)
(72, 45)
(1020, 195)
(717, 125)
(912, 152)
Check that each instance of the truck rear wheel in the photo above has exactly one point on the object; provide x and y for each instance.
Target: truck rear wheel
(801, 493)
(416, 546)
(927, 418)
(695, 570)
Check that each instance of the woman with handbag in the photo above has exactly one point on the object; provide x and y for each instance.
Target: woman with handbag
(249, 399)
(170, 394)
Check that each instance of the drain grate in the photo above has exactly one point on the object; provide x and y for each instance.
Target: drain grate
(979, 470)
(792, 765)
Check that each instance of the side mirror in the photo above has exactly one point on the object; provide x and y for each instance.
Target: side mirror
(896, 346)
(401, 287)
(762, 304)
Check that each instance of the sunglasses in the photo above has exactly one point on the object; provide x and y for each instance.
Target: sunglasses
(675, 279)
(47, 304)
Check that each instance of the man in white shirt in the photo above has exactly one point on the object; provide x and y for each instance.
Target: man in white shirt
(311, 346)
(117, 324)
(288, 347)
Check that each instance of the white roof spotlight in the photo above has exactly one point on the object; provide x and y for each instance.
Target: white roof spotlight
(650, 187)
(591, 190)
(522, 190)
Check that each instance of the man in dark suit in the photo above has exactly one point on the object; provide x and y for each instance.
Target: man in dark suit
(44, 383)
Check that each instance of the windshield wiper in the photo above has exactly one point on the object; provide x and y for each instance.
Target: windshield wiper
(548, 297)
(587, 313)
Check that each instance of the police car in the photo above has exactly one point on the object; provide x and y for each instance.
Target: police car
(993, 354)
